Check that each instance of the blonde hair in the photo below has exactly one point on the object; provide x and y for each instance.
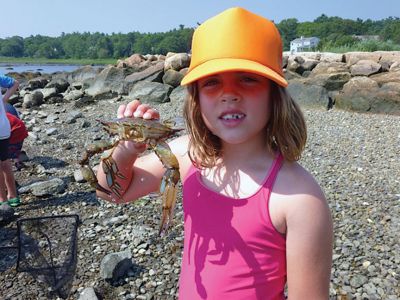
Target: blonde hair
(285, 132)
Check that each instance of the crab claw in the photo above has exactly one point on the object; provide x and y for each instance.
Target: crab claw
(90, 177)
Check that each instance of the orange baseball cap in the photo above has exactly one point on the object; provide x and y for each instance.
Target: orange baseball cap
(236, 40)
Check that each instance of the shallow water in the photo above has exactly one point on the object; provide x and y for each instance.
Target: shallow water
(42, 68)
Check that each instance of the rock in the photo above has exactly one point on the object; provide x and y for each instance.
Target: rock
(37, 83)
(383, 78)
(78, 177)
(149, 74)
(151, 92)
(331, 57)
(82, 75)
(177, 61)
(33, 99)
(73, 116)
(395, 67)
(60, 84)
(330, 81)
(116, 265)
(73, 95)
(350, 58)
(178, 96)
(49, 92)
(308, 95)
(44, 188)
(107, 84)
(88, 294)
(358, 280)
(364, 94)
(172, 78)
(365, 68)
(330, 67)
(131, 61)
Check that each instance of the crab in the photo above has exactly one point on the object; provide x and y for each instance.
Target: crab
(154, 134)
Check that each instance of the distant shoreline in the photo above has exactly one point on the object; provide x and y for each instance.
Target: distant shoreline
(42, 61)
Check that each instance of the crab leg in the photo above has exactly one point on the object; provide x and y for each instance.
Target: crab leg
(168, 187)
(90, 177)
(168, 190)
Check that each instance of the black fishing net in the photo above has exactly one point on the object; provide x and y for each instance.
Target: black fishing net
(47, 250)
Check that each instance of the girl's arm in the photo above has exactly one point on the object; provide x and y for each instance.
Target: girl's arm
(10, 91)
(308, 242)
(143, 173)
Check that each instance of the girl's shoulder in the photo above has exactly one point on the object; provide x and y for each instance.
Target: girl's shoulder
(294, 179)
(296, 197)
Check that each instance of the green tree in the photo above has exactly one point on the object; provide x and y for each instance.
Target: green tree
(288, 31)
(13, 47)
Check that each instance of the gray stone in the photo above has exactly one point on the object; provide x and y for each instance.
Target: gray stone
(151, 92)
(88, 294)
(115, 265)
(172, 78)
(308, 95)
(44, 188)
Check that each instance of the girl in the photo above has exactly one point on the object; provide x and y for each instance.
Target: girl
(254, 219)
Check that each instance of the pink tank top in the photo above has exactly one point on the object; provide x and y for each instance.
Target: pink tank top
(231, 249)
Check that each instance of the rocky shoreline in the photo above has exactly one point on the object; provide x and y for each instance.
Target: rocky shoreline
(354, 156)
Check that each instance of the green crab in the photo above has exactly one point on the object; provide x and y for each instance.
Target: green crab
(153, 134)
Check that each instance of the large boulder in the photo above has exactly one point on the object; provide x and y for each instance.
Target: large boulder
(178, 97)
(177, 61)
(353, 57)
(60, 84)
(109, 83)
(33, 99)
(329, 67)
(365, 67)
(37, 83)
(386, 77)
(131, 61)
(152, 73)
(331, 57)
(364, 94)
(307, 95)
(172, 78)
(299, 65)
(151, 92)
(330, 81)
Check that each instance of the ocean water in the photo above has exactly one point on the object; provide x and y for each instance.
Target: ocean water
(42, 68)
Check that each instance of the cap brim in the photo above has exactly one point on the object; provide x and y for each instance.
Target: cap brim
(232, 64)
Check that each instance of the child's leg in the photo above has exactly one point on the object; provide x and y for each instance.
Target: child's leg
(3, 190)
(3, 158)
(9, 179)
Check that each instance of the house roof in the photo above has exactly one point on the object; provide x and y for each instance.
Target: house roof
(303, 39)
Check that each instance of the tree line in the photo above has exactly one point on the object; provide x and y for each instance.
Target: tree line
(335, 32)
(332, 31)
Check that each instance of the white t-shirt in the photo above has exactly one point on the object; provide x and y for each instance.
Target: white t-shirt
(5, 128)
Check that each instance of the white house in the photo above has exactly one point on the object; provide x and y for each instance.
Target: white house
(304, 44)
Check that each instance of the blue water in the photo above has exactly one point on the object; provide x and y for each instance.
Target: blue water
(44, 69)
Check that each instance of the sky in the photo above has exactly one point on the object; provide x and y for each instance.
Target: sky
(52, 17)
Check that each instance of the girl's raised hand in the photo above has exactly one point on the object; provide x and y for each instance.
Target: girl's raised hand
(135, 109)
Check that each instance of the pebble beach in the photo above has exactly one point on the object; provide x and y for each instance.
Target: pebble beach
(355, 157)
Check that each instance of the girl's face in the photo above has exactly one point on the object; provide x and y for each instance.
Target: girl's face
(235, 106)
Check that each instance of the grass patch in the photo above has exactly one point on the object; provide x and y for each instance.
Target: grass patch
(364, 46)
(62, 61)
